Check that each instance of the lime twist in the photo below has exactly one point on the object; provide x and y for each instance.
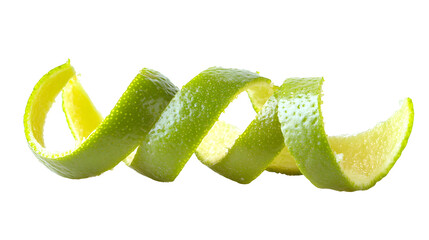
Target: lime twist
(155, 128)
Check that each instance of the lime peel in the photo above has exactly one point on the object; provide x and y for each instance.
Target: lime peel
(113, 140)
(155, 128)
(189, 118)
(345, 163)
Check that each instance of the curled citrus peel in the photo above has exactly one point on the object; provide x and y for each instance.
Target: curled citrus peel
(155, 128)
(345, 163)
(113, 139)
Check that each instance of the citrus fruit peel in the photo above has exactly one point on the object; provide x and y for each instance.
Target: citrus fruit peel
(244, 156)
(346, 163)
(116, 136)
(188, 119)
(155, 128)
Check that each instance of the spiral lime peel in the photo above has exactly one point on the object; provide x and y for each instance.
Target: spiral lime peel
(113, 140)
(155, 128)
(346, 163)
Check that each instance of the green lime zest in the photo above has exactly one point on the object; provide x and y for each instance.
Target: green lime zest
(155, 128)
(116, 136)
(345, 163)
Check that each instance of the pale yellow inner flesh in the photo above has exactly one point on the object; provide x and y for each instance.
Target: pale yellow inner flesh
(82, 116)
(284, 163)
(43, 100)
(367, 154)
(217, 142)
(259, 94)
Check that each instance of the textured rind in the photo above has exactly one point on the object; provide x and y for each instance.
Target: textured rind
(188, 118)
(255, 148)
(116, 137)
(303, 130)
(157, 128)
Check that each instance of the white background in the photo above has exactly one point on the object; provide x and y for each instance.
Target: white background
(371, 53)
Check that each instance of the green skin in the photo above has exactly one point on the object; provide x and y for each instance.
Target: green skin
(167, 125)
(299, 112)
(146, 97)
(248, 158)
(189, 117)
(302, 126)
(166, 146)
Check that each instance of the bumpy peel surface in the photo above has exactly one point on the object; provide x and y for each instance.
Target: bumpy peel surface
(155, 128)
